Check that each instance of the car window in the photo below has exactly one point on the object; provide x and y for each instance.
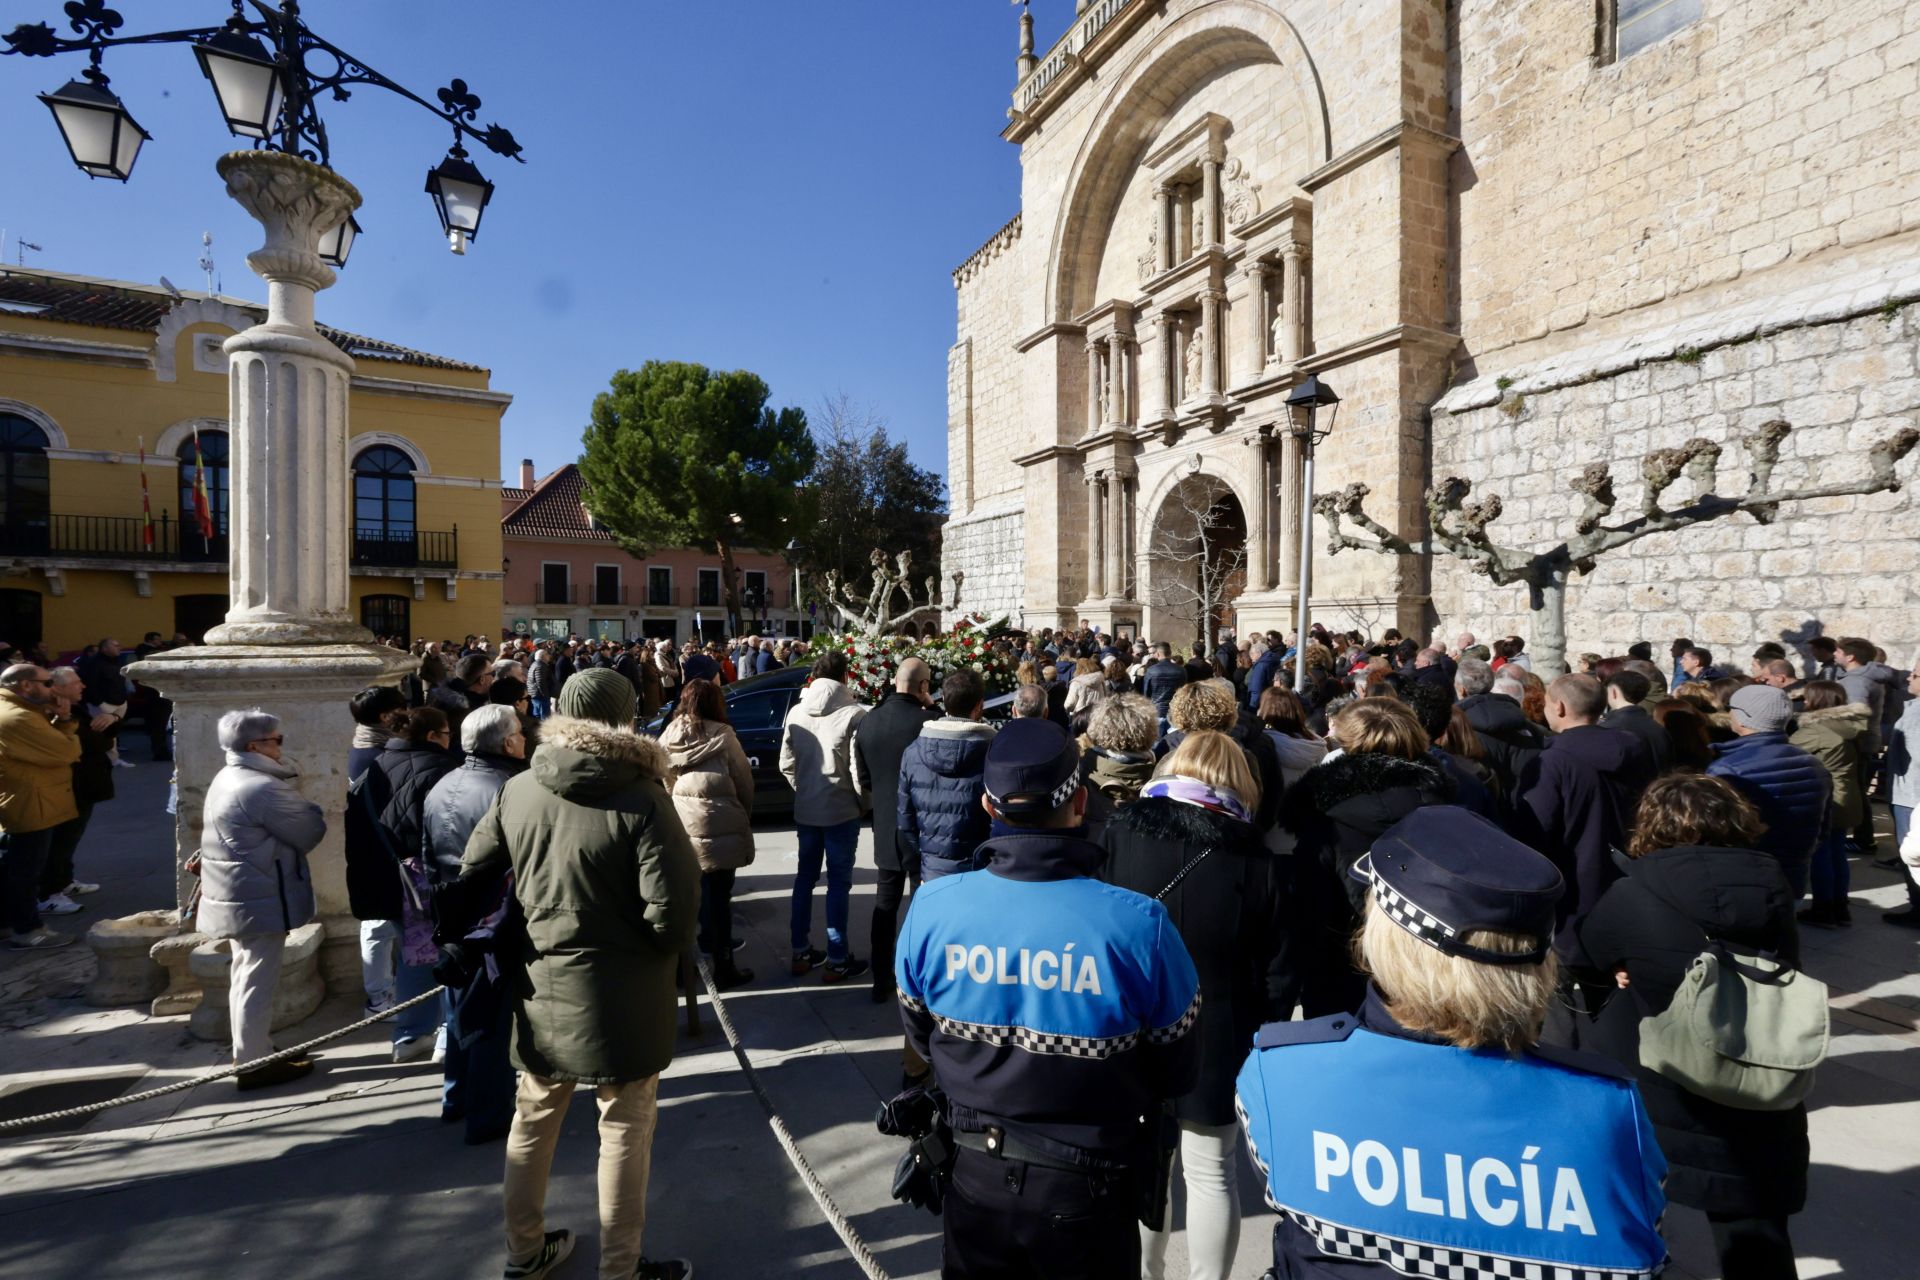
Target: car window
(759, 709)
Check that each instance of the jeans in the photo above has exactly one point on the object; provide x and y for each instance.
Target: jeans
(541, 708)
(1831, 874)
(1208, 1164)
(423, 1019)
(254, 973)
(57, 872)
(22, 855)
(478, 1080)
(716, 915)
(1903, 823)
(837, 844)
(628, 1113)
(379, 942)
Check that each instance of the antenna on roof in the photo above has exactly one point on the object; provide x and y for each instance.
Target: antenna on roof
(206, 260)
(20, 253)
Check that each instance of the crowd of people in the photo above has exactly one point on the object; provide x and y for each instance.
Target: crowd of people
(1100, 919)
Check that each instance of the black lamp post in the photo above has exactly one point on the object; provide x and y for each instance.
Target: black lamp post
(267, 71)
(1310, 396)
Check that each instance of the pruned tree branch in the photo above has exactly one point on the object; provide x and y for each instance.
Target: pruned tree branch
(874, 615)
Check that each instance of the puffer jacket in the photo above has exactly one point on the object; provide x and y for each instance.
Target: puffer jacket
(1160, 681)
(1838, 738)
(1789, 787)
(942, 777)
(1652, 924)
(36, 766)
(1511, 740)
(454, 807)
(1263, 673)
(399, 782)
(1085, 691)
(712, 792)
(256, 832)
(610, 888)
(816, 754)
(540, 679)
(1334, 813)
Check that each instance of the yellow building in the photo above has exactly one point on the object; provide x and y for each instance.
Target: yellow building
(90, 369)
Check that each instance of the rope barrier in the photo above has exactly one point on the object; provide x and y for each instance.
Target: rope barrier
(848, 1236)
(180, 1086)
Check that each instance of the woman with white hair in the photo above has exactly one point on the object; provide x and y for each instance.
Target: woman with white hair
(254, 884)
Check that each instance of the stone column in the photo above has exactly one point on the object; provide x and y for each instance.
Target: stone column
(1183, 222)
(1117, 377)
(1259, 535)
(1292, 459)
(289, 644)
(1163, 231)
(1164, 322)
(1210, 201)
(1210, 301)
(1293, 300)
(1256, 352)
(1129, 494)
(1094, 416)
(1096, 530)
(1117, 535)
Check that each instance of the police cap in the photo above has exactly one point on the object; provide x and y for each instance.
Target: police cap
(1442, 872)
(1032, 769)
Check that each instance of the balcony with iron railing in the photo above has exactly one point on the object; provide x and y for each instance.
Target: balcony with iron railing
(180, 542)
(604, 595)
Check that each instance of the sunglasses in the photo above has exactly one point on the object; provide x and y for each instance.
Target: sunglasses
(276, 739)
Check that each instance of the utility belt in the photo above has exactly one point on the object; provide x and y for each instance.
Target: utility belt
(1001, 1145)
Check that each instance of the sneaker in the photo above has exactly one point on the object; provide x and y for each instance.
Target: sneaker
(1820, 915)
(376, 1005)
(41, 939)
(122, 764)
(413, 1050)
(806, 961)
(665, 1269)
(287, 1069)
(80, 888)
(848, 968)
(552, 1253)
(1905, 917)
(58, 905)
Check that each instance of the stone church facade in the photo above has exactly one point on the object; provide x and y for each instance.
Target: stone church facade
(1515, 236)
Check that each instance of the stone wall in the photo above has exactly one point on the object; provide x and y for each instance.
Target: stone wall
(984, 418)
(1760, 136)
(1840, 565)
(990, 548)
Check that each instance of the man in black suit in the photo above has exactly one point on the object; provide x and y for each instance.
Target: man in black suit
(882, 739)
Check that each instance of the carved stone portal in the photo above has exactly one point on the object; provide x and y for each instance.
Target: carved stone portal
(1242, 193)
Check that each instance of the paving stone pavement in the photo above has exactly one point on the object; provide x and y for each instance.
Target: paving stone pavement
(350, 1171)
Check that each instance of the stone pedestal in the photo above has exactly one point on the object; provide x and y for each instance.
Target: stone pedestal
(183, 992)
(295, 996)
(125, 971)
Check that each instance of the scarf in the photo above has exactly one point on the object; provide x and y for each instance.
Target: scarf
(1197, 793)
(368, 735)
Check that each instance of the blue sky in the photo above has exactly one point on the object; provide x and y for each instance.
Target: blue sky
(777, 185)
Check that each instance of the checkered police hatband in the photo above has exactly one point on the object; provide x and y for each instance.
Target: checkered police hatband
(1030, 802)
(1049, 1042)
(1432, 930)
(1411, 1259)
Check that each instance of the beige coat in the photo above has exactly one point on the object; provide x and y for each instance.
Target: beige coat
(712, 787)
(36, 766)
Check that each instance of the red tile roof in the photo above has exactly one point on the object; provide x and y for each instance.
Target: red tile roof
(102, 304)
(553, 510)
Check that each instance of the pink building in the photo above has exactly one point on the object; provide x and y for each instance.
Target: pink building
(565, 576)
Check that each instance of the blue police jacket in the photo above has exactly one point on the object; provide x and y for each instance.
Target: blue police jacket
(1545, 1160)
(1051, 1005)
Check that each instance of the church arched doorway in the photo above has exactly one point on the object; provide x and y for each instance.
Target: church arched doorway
(1196, 561)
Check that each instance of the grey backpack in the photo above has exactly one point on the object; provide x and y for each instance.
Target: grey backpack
(1743, 1031)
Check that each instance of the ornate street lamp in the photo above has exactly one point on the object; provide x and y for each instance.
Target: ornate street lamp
(460, 196)
(100, 134)
(336, 244)
(245, 78)
(1310, 396)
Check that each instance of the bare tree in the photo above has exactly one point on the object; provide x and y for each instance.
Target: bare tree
(1459, 526)
(1199, 560)
(875, 615)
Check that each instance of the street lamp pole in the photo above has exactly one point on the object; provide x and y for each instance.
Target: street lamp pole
(1309, 397)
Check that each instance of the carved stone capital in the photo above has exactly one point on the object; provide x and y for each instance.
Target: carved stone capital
(1257, 269)
(297, 202)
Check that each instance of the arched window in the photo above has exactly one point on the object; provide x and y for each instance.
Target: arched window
(383, 496)
(213, 454)
(24, 491)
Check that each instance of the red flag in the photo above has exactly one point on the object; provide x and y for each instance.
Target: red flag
(202, 508)
(146, 501)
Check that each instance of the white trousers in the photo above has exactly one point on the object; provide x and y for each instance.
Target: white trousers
(256, 971)
(1209, 1165)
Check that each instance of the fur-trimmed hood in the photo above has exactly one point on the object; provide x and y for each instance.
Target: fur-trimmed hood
(1188, 825)
(1849, 719)
(1347, 780)
(584, 760)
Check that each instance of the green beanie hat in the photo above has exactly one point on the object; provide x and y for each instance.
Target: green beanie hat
(599, 693)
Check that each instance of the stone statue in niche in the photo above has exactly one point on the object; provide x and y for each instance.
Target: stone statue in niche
(1149, 262)
(1106, 390)
(1191, 384)
(1279, 329)
(1241, 193)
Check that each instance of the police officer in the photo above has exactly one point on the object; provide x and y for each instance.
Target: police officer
(1429, 1135)
(1057, 1012)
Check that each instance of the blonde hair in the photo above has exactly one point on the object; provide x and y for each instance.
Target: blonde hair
(1212, 757)
(1124, 722)
(1461, 1001)
(1380, 726)
(1202, 705)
